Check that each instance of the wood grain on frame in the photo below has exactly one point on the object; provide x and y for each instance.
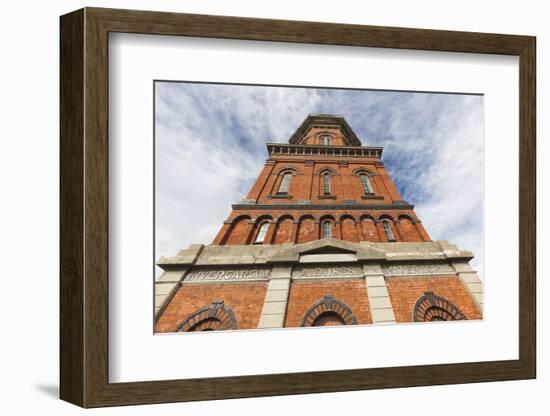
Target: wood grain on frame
(84, 207)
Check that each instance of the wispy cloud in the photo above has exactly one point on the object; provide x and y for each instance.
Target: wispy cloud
(210, 147)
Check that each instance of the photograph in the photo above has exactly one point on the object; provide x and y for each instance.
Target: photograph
(282, 206)
(342, 203)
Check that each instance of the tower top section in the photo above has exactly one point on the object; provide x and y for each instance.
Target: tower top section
(325, 129)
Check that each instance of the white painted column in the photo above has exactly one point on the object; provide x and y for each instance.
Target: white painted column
(276, 298)
(381, 308)
(471, 281)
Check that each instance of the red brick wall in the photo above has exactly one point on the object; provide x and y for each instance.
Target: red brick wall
(284, 231)
(241, 232)
(238, 234)
(306, 185)
(370, 232)
(306, 231)
(408, 231)
(246, 300)
(304, 294)
(349, 230)
(405, 291)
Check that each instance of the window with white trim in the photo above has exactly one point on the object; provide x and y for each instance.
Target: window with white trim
(326, 183)
(262, 233)
(327, 229)
(284, 186)
(388, 230)
(365, 183)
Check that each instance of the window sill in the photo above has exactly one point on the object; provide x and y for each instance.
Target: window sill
(279, 196)
(327, 197)
(372, 196)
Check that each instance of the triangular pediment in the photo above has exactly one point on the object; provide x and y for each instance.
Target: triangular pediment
(326, 246)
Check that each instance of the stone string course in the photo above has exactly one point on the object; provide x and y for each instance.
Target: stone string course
(269, 286)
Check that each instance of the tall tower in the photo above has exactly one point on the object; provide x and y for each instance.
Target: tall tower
(322, 238)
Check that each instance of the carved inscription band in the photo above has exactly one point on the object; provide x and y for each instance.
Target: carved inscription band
(322, 272)
(316, 272)
(415, 268)
(231, 274)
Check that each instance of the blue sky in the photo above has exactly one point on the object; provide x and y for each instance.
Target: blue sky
(210, 147)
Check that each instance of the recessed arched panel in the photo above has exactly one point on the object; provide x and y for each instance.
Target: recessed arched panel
(213, 317)
(349, 230)
(285, 230)
(431, 307)
(240, 230)
(370, 232)
(306, 230)
(328, 311)
(408, 230)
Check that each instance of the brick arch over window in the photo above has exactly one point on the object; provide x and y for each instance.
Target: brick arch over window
(430, 307)
(260, 227)
(291, 170)
(213, 317)
(319, 138)
(361, 171)
(328, 307)
(327, 231)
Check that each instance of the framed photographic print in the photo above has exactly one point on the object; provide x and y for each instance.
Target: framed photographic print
(255, 207)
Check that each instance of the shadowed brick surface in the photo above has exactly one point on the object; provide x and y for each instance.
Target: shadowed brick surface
(304, 294)
(246, 300)
(405, 291)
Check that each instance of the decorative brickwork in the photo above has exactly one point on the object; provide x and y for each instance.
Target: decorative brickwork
(328, 307)
(431, 307)
(406, 291)
(304, 294)
(322, 179)
(214, 317)
(245, 299)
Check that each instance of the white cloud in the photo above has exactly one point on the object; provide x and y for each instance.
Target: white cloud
(210, 147)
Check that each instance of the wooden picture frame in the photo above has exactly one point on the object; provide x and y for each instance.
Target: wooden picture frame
(84, 207)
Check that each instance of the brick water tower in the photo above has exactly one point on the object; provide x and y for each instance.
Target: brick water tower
(322, 238)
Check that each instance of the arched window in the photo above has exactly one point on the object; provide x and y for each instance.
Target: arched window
(261, 233)
(327, 229)
(365, 183)
(388, 230)
(326, 183)
(326, 140)
(284, 186)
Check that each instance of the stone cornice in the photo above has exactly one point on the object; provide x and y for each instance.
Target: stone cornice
(365, 207)
(317, 150)
(396, 257)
